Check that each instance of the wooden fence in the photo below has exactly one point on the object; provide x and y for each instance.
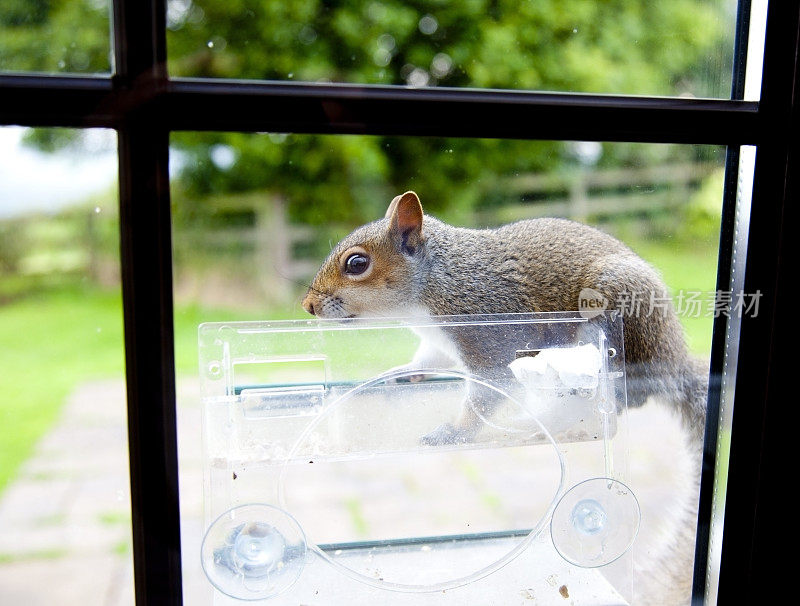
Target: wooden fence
(583, 193)
(262, 259)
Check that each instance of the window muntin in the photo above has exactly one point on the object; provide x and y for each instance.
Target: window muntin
(643, 48)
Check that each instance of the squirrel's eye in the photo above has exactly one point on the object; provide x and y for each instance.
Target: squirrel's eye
(356, 264)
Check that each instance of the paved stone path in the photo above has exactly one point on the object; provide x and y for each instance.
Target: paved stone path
(65, 519)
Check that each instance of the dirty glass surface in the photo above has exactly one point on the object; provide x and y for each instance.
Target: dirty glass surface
(677, 48)
(256, 215)
(55, 36)
(65, 521)
(272, 232)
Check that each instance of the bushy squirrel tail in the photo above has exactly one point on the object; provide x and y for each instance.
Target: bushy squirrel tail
(682, 387)
(693, 407)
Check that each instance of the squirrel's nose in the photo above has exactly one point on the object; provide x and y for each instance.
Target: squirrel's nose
(308, 305)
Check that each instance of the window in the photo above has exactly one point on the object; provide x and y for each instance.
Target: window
(657, 48)
(146, 107)
(56, 37)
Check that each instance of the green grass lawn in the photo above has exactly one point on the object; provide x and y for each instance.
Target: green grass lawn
(57, 338)
(687, 269)
(52, 341)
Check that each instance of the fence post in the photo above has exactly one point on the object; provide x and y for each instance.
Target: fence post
(273, 250)
(578, 195)
(92, 248)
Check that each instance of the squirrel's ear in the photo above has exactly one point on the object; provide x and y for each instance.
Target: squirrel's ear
(392, 206)
(405, 221)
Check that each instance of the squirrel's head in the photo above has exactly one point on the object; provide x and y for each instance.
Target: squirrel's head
(371, 272)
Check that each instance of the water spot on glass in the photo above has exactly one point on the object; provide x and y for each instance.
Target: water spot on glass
(418, 77)
(222, 156)
(80, 60)
(376, 11)
(575, 31)
(178, 11)
(196, 15)
(97, 209)
(585, 152)
(441, 65)
(386, 42)
(290, 75)
(62, 64)
(210, 44)
(307, 35)
(381, 57)
(428, 25)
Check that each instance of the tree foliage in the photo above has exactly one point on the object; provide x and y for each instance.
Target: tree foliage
(55, 36)
(680, 47)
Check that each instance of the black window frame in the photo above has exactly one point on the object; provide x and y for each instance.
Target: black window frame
(144, 105)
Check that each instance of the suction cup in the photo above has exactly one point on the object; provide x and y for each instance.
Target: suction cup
(252, 552)
(595, 522)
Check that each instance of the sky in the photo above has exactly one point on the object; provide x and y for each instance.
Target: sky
(32, 182)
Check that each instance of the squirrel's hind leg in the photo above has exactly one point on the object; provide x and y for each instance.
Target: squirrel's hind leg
(480, 403)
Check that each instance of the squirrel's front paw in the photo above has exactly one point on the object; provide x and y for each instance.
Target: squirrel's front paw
(446, 433)
(406, 374)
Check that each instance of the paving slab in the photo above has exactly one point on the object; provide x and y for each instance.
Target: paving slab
(65, 519)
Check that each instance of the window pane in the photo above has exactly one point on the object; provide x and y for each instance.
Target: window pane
(256, 214)
(64, 491)
(682, 48)
(744, 193)
(55, 36)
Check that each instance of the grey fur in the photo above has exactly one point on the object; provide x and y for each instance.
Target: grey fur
(542, 265)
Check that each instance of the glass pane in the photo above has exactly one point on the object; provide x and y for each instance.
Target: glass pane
(681, 48)
(255, 216)
(65, 533)
(55, 36)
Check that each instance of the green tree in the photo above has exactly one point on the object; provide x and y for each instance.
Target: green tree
(55, 36)
(619, 46)
(610, 46)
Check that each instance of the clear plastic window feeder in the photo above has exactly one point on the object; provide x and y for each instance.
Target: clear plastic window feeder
(338, 472)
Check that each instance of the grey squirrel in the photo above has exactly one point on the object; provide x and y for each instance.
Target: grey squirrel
(409, 263)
